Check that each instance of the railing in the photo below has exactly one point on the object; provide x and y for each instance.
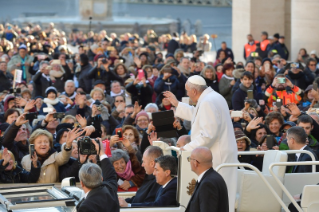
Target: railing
(260, 175)
(314, 163)
(212, 3)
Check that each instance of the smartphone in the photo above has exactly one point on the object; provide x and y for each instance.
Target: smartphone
(185, 100)
(270, 142)
(254, 54)
(120, 182)
(261, 102)
(294, 65)
(48, 109)
(279, 103)
(235, 114)
(31, 116)
(140, 74)
(149, 115)
(250, 94)
(315, 86)
(119, 132)
(281, 80)
(31, 150)
(59, 115)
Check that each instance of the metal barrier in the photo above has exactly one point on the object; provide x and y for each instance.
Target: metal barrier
(212, 3)
(314, 163)
(260, 175)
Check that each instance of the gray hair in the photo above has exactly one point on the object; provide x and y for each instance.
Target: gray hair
(44, 62)
(315, 116)
(91, 175)
(153, 152)
(199, 88)
(167, 162)
(68, 82)
(185, 58)
(118, 154)
(151, 105)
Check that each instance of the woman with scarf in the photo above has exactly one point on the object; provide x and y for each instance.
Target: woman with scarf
(226, 83)
(140, 90)
(50, 160)
(121, 70)
(51, 101)
(209, 74)
(10, 172)
(129, 171)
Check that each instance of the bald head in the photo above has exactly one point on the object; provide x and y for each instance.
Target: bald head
(183, 140)
(203, 157)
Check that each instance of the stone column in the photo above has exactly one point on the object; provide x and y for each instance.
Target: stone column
(253, 17)
(97, 9)
(304, 26)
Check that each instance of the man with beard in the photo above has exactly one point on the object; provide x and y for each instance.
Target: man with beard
(282, 88)
(16, 139)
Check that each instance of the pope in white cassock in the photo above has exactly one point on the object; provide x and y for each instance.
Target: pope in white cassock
(211, 127)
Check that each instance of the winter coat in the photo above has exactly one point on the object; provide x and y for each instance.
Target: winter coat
(18, 149)
(5, 81)
(172, 46)
(140, 93)
(302, 79)
(50, 167)
(213, 84)
(170, 84)
(225, 90)
(58, 107)
(19, 175)
(85, 112)
(239, 96)
(17, 59)
(84, 81)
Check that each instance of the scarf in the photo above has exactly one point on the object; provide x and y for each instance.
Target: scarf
(56, 74)
(242, 87)
(128, 173)
(50, 102)
(116, 94)
(42, 158)
(227, 77)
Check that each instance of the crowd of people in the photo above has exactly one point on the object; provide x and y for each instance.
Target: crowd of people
(113, 83)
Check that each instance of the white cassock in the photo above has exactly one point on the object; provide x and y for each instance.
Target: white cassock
(212, 127)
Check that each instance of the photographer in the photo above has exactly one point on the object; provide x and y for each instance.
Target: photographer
(99, 185)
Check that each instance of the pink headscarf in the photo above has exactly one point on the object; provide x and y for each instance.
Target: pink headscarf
(128, 173)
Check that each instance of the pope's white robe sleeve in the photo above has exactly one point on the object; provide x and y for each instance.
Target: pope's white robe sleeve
(184, 111)
(209, 125)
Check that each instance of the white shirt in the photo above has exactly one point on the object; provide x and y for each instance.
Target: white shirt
(167, 183)
(201, 176)
(298, 154)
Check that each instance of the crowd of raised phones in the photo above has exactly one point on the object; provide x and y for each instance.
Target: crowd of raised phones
(118, 82)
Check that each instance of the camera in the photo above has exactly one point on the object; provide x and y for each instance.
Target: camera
(86, 146)
(104, 61)
(31, 116)
(281, 80)
(15, 90)
(58, 115)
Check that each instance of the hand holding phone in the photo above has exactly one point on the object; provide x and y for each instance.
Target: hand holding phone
(236, 114)
(31, 150)
(141, 74)
(119, 132)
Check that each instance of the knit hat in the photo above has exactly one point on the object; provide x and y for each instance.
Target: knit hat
(237, 125)
(142, 113)
(276, 35)
(64, 126)
(288, 123)
(313, 52)
(170, 61)
(169, 55)
(238, 72)
(97, 82)
(4, 126)
(239, 135)
(51, 89)
(60, 133)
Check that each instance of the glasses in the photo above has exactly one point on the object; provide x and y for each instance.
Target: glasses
(189, 159)
(241, 142)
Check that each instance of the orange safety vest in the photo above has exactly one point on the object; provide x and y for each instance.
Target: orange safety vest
(263, 45)
(250, 48)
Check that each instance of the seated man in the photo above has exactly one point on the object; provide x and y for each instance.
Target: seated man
(164, 171)
(296, 138)
(183, 140)
(148, 190)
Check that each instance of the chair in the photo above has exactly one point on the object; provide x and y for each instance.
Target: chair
(253, 194)
(309, 199)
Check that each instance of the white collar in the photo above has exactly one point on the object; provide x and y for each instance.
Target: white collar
(86, 194)
(298, 154)
(116, 94)
(167, 183)
(201, 176)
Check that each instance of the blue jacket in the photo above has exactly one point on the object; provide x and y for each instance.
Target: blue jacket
(238, 98)
(58, 107)
(170, 84)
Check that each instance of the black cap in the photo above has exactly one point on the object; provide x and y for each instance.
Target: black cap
(281, 36)
(64, 126)
(97, 82)
(276, 35)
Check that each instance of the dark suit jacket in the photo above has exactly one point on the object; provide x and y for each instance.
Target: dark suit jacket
(210, 194)
(147, 192)
(164, 196)
(40, 84)
(304, 157)
(103, 198)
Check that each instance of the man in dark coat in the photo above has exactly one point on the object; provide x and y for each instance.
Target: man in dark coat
(84, 81)
(173, 44)
(99, 185)
(5, 77)
(296, 138)
(164, 171)
(148, 190)
(281, 48)
(210, 194)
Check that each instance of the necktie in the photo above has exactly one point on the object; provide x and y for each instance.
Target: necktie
(159, 193)
(295, 167)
